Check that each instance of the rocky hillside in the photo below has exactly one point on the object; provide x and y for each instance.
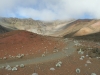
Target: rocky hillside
(80, 27)
(36, 26)
(58, 28)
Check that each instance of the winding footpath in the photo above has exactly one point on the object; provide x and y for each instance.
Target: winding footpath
(50, 57)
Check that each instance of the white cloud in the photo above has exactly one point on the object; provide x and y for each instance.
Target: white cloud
(50, 9)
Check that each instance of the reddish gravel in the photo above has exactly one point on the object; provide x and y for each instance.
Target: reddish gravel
(69, 66)
(28, 43)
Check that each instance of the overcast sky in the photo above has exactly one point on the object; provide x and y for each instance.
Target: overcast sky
(50, 9)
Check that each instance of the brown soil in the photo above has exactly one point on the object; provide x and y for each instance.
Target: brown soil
(69, 66)
(24, 42)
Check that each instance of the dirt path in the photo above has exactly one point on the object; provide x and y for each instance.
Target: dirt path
(54, 56)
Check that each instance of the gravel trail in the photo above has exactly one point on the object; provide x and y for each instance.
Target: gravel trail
(65, 52)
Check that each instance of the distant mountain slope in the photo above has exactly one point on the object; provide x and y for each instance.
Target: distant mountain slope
(73, 27)
(57, 28)
(80, 27)
(89, 29)
(36, 26)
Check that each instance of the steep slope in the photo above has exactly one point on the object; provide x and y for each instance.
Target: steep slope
(74, 27)
(82, 27)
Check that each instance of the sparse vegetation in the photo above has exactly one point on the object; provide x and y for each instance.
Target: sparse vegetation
(78, 70)
(60, 57)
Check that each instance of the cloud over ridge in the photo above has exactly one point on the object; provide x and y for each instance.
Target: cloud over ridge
(50, 9)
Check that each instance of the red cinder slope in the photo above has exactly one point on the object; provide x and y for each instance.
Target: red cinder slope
(28, 43)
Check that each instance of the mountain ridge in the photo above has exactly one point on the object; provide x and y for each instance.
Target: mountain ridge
(57, 28)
